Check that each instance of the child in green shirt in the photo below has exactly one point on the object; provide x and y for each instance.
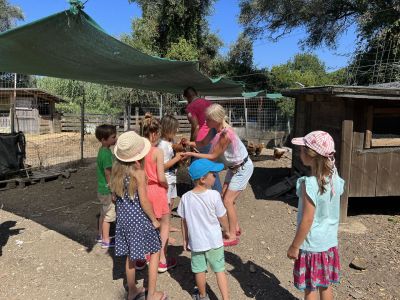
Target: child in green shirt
(107, 136)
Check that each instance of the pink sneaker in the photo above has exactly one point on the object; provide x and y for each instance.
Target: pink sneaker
(171, 263)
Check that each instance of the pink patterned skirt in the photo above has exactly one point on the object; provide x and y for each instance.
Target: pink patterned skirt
(316, 269)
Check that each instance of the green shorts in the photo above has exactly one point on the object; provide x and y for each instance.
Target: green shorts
(214, 257)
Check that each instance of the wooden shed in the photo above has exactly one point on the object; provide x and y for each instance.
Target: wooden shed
(365, 124)
(34, 110)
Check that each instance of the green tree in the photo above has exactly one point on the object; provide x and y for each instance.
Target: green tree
(175, 29)
(303, 70)
(9, 14)
(324, 20)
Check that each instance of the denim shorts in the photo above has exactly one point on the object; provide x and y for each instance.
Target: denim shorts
(238, 181)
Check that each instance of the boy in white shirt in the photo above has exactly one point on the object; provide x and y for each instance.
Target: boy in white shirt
(202, 213)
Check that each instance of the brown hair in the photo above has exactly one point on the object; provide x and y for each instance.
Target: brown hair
(188, 90)
(169, 125)
(324, 167)
(150, 125)
(105, 131)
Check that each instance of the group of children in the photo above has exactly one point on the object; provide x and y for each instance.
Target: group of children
(142, 183)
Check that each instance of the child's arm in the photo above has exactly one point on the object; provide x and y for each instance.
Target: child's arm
(144, 201)
(225, 225)
(304, 226)
(160, 168)
(177, 158)
(220, 148)
(185, 236)
(107, 173)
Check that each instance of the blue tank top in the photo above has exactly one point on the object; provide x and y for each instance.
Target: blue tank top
(324, 229)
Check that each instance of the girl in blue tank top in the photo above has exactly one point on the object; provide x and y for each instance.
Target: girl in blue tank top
(315, 246)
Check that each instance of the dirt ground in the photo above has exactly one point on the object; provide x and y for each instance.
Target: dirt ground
(47, 248)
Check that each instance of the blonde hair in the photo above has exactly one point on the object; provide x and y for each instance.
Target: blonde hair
(324, 167)
(169, 126)
(150, 125)
(217, 113)
(119, 171)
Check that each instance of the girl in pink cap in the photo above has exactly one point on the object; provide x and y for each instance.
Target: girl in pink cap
(315, 245)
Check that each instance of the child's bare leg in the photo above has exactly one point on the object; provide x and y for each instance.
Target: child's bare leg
(153, 273)
(133, 291)
(171, 207)
(310, 295)
(229, 199)
(100, 224)
(326, 293)
(223, 285)
(106, 232)
(201, 283)
(164, 233)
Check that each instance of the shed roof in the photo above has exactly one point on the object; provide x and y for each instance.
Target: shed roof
(33, 91)
(342, 91)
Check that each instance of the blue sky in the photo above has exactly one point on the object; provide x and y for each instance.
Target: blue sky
(115, 17)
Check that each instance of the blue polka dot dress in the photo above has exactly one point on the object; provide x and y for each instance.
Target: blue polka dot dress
(135, 235)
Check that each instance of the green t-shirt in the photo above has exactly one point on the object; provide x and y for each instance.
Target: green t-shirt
(104, 161)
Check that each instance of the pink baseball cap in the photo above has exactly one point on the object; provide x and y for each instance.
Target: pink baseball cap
(319, 141)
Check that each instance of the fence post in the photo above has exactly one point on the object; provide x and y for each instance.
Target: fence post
(230, 117)
(161, 106)
(245, 116)
(82, 123)
(13, 105)
(129, 115)
(137, 118)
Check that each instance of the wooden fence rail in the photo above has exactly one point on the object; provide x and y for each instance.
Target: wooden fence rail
(72, 122)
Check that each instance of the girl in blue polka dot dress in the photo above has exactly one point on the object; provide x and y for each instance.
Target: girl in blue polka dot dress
(136, 231)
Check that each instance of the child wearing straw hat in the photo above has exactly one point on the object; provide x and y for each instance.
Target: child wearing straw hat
(136, 231)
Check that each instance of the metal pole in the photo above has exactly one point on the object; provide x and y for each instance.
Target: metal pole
(161, 106)
(245, 115)
(13, 104)
(82, 123)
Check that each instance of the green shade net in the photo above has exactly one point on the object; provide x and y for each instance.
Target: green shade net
(71, 45)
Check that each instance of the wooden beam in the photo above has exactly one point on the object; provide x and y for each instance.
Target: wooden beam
(345, 165)
(393, 142)
(370, 124)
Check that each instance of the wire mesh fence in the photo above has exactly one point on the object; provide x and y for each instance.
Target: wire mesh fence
(257, 119)
(54, 138)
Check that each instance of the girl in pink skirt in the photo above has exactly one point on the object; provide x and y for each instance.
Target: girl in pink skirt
(315, 246)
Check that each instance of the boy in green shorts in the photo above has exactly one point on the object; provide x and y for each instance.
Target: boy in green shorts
(202, 213)
(107, 136)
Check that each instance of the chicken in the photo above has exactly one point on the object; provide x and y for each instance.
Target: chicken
(259, 148)
(251, 149)
(279, 152)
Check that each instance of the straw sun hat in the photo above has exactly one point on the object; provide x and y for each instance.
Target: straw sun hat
(131, 147)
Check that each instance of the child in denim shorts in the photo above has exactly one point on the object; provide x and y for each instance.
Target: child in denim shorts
(202, 213)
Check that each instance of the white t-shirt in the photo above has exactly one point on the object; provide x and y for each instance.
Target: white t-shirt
(201, 212)
(166, 147)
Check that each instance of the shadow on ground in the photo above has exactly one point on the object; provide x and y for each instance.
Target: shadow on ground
(260, 284)
(7, 230)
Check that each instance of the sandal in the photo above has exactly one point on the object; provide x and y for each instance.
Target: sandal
(231, 243)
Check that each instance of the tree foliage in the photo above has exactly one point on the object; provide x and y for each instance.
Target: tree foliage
(303, 70)
(324, 20)
(9, 14)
